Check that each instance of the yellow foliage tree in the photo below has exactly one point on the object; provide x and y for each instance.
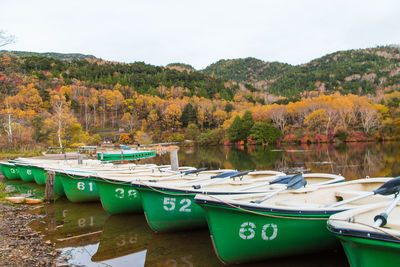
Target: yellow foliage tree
(317, 120)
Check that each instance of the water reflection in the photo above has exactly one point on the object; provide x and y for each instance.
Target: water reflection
(21, 188)
(70, 224)
(181, 249)
(353, 160)
(123, 235)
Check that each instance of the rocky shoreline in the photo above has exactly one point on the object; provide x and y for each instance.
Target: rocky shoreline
(19, 245)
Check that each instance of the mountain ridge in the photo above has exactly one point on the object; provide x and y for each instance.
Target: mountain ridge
(356, 71)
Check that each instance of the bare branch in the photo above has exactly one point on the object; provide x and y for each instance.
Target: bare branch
(6, 39)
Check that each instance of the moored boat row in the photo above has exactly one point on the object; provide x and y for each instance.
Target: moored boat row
(252, 215)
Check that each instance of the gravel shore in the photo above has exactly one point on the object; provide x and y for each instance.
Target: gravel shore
(19, 245)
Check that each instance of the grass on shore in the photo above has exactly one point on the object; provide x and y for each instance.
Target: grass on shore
(3, 192)
(12, 154)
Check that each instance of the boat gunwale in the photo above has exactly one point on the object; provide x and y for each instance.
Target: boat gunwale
(118, 152)
(7, 164)
(283, 212)
(155, 188)
(363, 234)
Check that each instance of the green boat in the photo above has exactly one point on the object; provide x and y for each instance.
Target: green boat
(124, 155)
(245, 229)
(81, 185)
(116, 193)
(118, 197)
(25, 172)
(9, 170)
(170, 205)
(367, 245)
(39, 174)
(78, 187)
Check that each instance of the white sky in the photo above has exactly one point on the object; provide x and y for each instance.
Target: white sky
(200, 32)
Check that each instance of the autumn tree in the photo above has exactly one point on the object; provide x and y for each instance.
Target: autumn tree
(278, 115)
(219, 117)
(317, 120)
(171, 116)
(130, 121)
(370, 118)
(60, 107)
(93, 101)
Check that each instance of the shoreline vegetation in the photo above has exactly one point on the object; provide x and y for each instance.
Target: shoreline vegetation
(347, 96)
(12, 154)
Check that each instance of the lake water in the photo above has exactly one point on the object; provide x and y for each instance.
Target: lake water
(89, 236)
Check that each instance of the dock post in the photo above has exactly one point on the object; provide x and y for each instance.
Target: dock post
(80, 160)
(174, 160)
(51, 218)
(49, 194)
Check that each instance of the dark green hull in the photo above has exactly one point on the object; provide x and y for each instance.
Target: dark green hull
(240, 237)
(172, 211)
(128, 155)
(362, 252)
(39, 175)
(58, 186)
(25, 172)
(10, 171)
(79, 189)
(119, 198)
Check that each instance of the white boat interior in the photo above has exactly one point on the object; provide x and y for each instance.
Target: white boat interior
(310, 198)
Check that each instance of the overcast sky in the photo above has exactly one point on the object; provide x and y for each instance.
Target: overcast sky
(200, 32)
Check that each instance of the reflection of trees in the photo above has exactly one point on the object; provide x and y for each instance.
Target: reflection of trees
(241, 160)
(256, 158)
(354, 160)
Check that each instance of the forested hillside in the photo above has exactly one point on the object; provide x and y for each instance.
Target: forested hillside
(136, 77)
(50, 101)
(247, 69)
(361, 72)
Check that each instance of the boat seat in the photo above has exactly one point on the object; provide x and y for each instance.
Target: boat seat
(294, 203)
(346, 194)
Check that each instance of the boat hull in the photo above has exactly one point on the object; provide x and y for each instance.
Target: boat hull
(10, 171)
(25, 172)
(39, 175)
(78, 189)
(240, 237)
(58, 186)
(119, 198)
(171, 211)
(104, 156)
(367, 252)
